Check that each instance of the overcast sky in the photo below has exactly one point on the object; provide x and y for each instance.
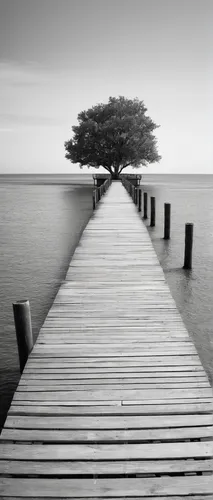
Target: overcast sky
(58, 57)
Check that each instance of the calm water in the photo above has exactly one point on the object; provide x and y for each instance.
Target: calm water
(191, 199)
(40, 225)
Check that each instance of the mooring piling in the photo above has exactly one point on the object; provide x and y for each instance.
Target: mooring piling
(152, 215)
(23, 326)
(188, 246)
(167, 220)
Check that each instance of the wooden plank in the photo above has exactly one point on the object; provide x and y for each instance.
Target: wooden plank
(113, 377)
(33, 387)
(143, 409)
(66, 368)
(110, 357)
(97, 452)
(118, 403)
(80, 379)
(103, 488)
(107, 422)
(114, 395)
(103, 468)
(107, 436)
(100, 352)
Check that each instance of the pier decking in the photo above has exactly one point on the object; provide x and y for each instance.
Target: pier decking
(113, 401)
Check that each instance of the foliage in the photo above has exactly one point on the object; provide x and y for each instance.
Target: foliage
(114, 136)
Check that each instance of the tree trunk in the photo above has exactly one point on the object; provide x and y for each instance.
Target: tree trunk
(115, 174)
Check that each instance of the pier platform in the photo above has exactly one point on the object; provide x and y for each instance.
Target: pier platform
(114, 401)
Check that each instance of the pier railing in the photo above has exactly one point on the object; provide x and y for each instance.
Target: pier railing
(132, 190)
(99, 191)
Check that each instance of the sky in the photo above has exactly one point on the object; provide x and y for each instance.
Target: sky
(59, 57)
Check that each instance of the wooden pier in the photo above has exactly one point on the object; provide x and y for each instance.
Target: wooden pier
(114, 401)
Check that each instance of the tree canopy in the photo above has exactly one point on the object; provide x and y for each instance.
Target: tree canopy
(114, 136)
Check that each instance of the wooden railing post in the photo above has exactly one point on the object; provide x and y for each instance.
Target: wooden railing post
(22, 318)
(145, 205)
(139, 200)
(188, 246)
(167, 219)
(152, 216)
(94, 199)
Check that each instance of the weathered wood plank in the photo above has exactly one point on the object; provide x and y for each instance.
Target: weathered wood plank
(108, 422)
(97, 452)
(107, 436)
(57, 468)
(113, 395)
(33, 387)
(113, 377)
(30, 408)
(105, 488)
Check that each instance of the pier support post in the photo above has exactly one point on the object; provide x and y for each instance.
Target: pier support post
(94, 199)
(22, 318)
(167, 220)
(152, 217)
(188, 246)
(139, 200)
(145, 205)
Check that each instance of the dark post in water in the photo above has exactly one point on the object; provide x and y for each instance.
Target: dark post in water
(167, 220)
(22, 318)
(139, 200)
(145, 205)
(94, 199)
(152, 217)
(188, 246)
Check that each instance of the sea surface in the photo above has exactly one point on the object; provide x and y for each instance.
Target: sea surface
(41, 221)
(191, 198)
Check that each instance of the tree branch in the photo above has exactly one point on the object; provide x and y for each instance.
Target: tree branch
(108, 169)
(124, 167)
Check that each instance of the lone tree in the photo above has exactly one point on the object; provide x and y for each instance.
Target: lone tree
(114, 136)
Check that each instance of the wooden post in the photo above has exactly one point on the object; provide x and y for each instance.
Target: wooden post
(133, 196)
(136, 195)
(139, 200)
(152, 217)
(167, 219)
(22, 318)
(145, 205)
(94, 199)
(188, 246)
